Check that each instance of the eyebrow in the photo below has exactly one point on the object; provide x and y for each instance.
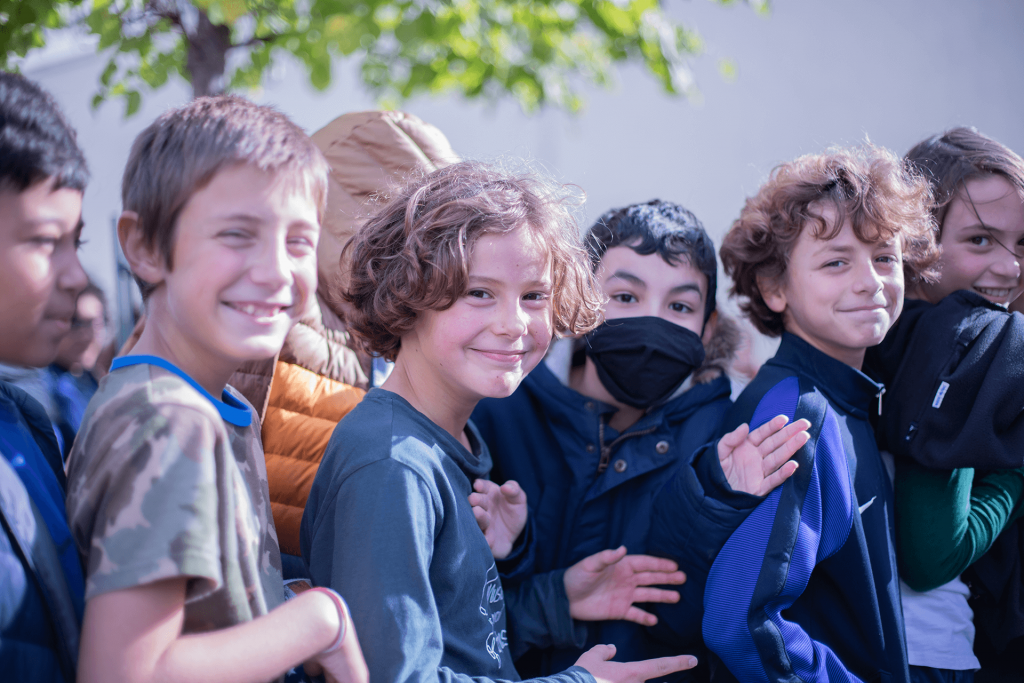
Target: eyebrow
(688, 287)
(255, 219)
(242, 217)
(833, 249)
(628, 277)
(483, 279)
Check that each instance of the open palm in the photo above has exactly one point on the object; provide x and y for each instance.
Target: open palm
(605, 585)
(758, 461)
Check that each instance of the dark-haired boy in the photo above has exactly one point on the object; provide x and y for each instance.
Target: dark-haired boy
(591, 452)
(805, 587)
(167, 485)
(42, 178)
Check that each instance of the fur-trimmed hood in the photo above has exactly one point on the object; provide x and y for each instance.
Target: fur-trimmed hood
(719, 350)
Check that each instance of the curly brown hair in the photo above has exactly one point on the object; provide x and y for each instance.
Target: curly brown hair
(872, 187)
(414, 254)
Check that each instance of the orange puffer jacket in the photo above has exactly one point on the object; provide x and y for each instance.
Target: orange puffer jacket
(301, 395)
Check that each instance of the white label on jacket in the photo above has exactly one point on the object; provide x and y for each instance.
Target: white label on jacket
(940, 394)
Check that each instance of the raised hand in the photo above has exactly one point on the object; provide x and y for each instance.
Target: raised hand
(596, 660)
(758, 461)
(501, 513)
(605, 585)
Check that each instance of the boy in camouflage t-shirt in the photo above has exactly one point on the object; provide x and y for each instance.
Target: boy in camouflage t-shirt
(168, 498)
(177, 487)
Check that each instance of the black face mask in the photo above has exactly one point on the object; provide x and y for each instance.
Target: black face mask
(642, 361)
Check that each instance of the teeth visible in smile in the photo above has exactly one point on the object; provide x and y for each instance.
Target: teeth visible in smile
(257, 311)
(995, 293)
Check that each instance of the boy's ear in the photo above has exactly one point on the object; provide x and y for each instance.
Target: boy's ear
(146, 263)
(772, 293)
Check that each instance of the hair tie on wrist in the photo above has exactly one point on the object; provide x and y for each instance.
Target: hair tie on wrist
(343, 615)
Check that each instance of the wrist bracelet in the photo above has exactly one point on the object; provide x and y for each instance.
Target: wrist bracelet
(343, 615)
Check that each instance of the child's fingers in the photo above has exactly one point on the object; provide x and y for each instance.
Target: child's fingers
(768, 429)
(650, 563)
(639, 616)
(780, 437)
(655, 595)
(655, 668)
(483, 518)
(602, 652)
(777, 477)
(604, 559)
(659, 578)
(731, 441)
(513, 492)
(780, 455)
(479, 499)
(484, 486)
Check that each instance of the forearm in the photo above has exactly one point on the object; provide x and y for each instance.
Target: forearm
(538, 615)
(574, 674)
(134, 635)
(695, 513)
(947, 519)
(260, 650)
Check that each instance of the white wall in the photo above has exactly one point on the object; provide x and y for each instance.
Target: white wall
(812, 74)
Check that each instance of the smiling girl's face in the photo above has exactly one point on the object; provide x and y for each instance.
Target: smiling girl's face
(982, 243)
(497, 331)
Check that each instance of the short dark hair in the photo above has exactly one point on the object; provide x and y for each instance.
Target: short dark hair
(950, 159)
(414, 254)
(36, 141)
(660, 227)
(872, 187)
(180, 152)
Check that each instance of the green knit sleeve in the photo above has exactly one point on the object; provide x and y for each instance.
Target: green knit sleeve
(947, 519)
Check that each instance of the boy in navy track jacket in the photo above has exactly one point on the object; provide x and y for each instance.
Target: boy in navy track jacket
(591, 454)
(802, 583)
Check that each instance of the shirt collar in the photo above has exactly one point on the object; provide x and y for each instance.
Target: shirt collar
(232, 410)
(842, 384)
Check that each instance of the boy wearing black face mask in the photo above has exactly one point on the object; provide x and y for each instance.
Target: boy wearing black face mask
(592, 452)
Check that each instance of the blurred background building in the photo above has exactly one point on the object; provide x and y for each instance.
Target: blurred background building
(809, 75)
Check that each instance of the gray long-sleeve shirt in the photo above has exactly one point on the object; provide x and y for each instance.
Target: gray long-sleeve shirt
(388, 525)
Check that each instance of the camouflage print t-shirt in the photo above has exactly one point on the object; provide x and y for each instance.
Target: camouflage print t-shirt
(160, 485)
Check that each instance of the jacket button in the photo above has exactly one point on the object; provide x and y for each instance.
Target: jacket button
(590, 405)
(661, 447)
(590, 448)
(620, 466)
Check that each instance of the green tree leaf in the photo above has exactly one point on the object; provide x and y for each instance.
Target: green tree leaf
(539, 52)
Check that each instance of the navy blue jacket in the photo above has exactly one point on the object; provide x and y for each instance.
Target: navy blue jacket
(806, 586)
(39, 625)
(549, 438)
